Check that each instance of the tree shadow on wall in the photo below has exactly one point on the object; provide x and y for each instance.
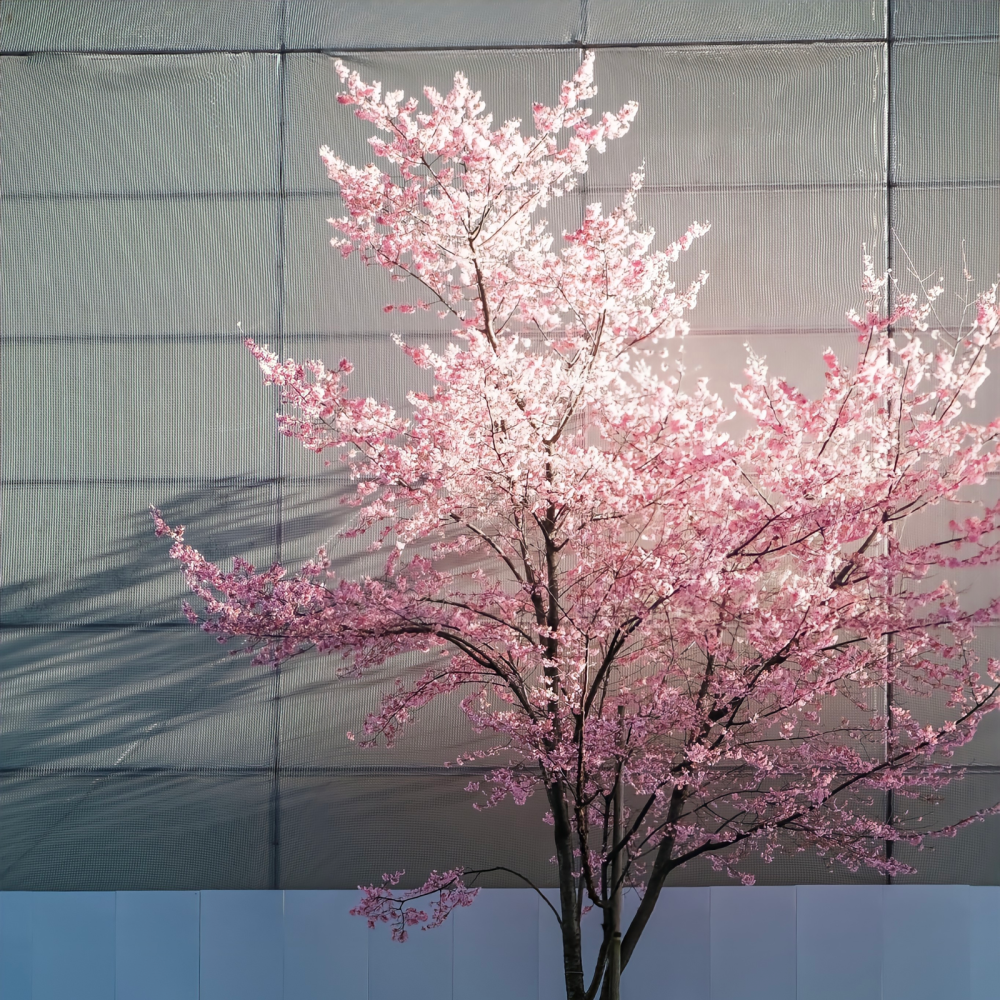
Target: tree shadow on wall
(117, 712)
(87, 554)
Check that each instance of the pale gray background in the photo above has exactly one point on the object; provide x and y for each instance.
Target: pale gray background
(161, 185)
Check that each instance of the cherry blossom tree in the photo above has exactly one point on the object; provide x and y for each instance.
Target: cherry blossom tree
(682, 637)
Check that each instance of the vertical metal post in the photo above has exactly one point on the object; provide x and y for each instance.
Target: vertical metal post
(889, 234)
(279, 331)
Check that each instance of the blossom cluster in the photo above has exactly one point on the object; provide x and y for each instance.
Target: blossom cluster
(712, 620)
(386, 904)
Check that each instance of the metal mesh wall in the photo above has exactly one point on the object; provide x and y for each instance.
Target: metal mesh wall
(161, 185)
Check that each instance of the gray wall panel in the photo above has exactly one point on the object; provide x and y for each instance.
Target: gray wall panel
(612, 22)
(241, 946)
(120, 417)
(753, 943)
(976, 586)
(832, 922)
(156, 945)
(187, 829)
(73, 946)
(971, 855)
(139, 268)
(314, 512)
(778, 259)
(785, 869)
(426, 958)
(672, 959)
(737, 115)
(934, 229)
(138, 25)
(318, 709)
(945, 109)
(984, 749)
(77, 125)
(791, 354)
(403, 24)
(945, 18)
(926, 935)
(109, 566)
(984, 936)
(496, 946)
(324, 946)
(342, 827)
(107, 698)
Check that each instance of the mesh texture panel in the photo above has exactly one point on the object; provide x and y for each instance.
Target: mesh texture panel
(162, 196)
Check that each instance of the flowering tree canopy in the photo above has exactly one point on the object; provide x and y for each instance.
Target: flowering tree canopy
(680, 636)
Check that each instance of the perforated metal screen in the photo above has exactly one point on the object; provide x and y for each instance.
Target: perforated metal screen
(161, 185)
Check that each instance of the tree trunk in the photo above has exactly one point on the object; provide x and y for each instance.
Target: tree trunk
(613, 975)
(572, 950)
(615, 958)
